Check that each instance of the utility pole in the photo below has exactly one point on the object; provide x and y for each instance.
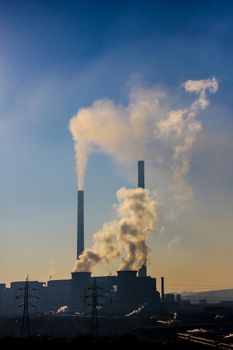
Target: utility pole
(95, 305)
(26, 296)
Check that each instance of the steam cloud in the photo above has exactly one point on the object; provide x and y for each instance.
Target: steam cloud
(136, 217)
(52, 264)
(136, 131)
(145, 129)
(180, 128)
(105, 248)
(136, 311)
(62, 309)
(138, 212)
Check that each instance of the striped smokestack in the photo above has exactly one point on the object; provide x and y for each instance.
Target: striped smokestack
(80, 224)
(141, 183)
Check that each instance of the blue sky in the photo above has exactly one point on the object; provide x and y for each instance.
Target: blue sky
(58, 56)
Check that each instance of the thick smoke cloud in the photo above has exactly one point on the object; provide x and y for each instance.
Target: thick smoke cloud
(138, 213)
(145, 129)
(126, 236)
(105, 248)
(118, 131)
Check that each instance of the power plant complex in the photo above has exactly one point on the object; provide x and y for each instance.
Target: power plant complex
(106, 306)
(119, 295)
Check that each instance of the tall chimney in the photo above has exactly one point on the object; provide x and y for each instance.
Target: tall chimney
(141, 183)
(162, 290)
(80, 224)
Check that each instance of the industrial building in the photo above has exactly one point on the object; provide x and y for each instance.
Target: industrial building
(120, 294)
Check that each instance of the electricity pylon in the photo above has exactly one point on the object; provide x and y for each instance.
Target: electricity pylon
(26, 296)
(95, 305)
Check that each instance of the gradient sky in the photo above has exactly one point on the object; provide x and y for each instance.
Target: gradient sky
(58, 56)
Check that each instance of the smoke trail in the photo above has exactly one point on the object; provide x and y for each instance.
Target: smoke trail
(82, 149)
(105, 248)
(62, 309)
(118, 131)
(228, 336)
(197, 330)
(52, 270)
(126, 236)
(179, 130)
(136, 311)
(145, 129)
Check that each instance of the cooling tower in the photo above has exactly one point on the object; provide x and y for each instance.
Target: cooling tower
(141, 183)
(80, 224)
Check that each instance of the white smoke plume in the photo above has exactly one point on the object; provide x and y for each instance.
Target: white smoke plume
(144, 129)
(164, 322)
(136, 311)
(105, 248)
(197, 330)
(62, 309)
(175, 240)
(179, 130)
(118, 131)
(172, 320)
(52, 270)
(126, 236)
(228, 336)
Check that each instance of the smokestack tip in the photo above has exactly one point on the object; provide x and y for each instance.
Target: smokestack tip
(141, 179)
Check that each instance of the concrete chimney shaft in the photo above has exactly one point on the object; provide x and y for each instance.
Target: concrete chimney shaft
(162, 290)
(141, 178)
(142, 272)
(80, 224)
